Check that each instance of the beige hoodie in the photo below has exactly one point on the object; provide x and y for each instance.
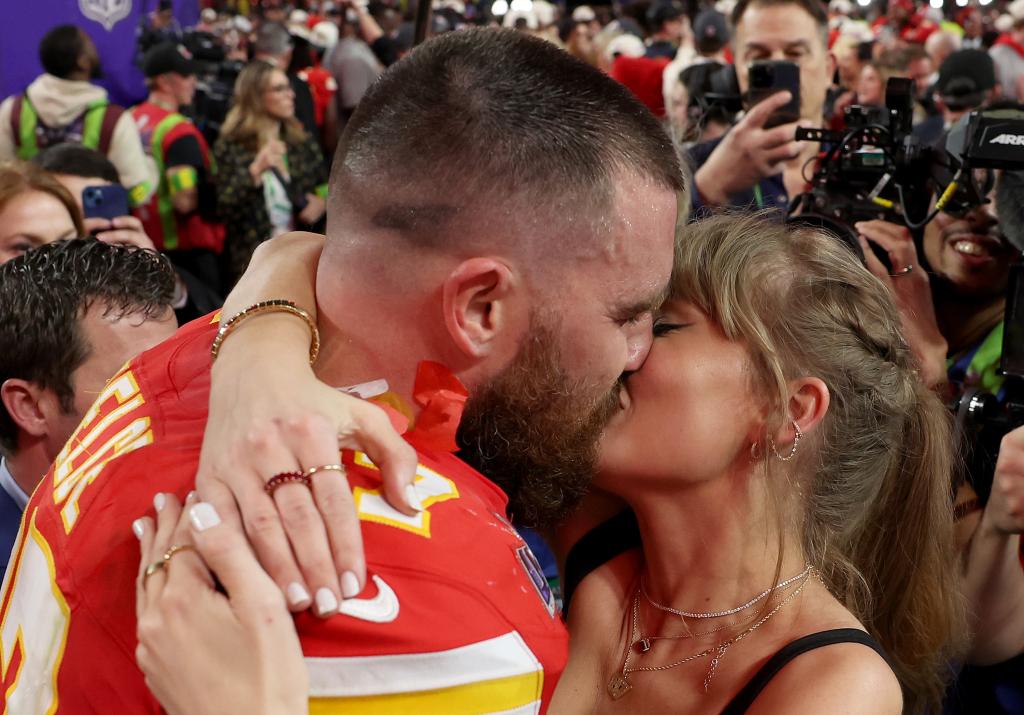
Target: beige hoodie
(59, 102)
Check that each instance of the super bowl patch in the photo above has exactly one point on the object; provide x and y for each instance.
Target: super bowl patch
(536, 575)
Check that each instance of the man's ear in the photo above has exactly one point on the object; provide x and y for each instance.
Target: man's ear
(477, 297)
(24, 402)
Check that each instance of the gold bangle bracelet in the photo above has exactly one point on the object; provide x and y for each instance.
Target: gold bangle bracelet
(267, 306)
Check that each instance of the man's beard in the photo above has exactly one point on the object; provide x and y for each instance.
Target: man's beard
(534, 431)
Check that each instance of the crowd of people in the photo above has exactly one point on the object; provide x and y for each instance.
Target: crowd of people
(557, 371)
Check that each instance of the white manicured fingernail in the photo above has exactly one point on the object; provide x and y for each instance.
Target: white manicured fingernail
(349, 585)
(326, 602)
(297, 594)
(159, 501)
(412, 498)
(138, 528)
(204, 516)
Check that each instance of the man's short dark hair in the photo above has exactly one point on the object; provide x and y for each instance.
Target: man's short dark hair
(60, 49)
(77, 160)
(45, 292)
(814, 8)
(493, 123)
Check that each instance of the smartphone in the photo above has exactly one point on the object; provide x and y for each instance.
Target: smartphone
(767, 77)
(108, 201)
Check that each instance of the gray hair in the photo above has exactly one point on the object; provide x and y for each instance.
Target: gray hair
(272, 39)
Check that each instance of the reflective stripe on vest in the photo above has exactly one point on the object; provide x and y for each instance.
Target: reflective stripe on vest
(92, 126)
(164, 205)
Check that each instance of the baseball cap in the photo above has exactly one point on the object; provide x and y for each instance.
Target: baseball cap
(168, 57)
(964, 77)
(324, 34)
(663, 11)
(710, 28)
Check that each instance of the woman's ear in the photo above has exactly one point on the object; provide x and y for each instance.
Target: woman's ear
(808, 403)
(478, 302)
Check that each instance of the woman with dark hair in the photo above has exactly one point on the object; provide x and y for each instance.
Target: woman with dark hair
(270, 171)
(35, 209)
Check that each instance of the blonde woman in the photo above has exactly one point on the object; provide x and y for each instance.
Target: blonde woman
(789, 546)
(270, 171)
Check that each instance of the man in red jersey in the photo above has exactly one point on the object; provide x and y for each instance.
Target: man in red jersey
(502, 217)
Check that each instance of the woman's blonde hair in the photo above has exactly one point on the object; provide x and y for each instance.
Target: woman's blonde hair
(247, 118)
(876, 516)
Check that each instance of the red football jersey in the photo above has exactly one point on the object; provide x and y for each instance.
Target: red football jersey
(456, 616)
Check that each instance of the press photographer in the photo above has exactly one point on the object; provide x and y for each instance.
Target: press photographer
(952, 295)
(757, 164)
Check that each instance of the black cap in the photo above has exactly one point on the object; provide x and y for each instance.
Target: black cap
(711, 30)
(168, 57)
(964, 77)
(663, 11)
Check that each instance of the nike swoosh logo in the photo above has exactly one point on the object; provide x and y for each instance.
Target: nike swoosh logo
(382, 608)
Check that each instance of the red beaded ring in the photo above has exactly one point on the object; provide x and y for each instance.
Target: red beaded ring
(286, 478)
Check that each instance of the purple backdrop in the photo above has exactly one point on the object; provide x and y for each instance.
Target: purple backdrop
(110, 23)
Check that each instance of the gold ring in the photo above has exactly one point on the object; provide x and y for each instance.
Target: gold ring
(152, 569)
(176, 549)
(325, 468)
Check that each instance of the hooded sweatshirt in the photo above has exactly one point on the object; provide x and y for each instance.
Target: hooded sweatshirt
(58, 102)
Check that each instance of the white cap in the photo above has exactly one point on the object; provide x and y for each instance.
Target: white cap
(626, 44)
(324, 34)
(584, 13)
(842, 7)
(1003, 23)
(545, 13)
(297, 24)
(1016, 10)
(242, 24)
(208, 15)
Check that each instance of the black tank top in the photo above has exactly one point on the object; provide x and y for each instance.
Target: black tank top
(621, 533)
(745, 698)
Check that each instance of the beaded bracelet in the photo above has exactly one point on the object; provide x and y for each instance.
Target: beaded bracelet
(267, 306)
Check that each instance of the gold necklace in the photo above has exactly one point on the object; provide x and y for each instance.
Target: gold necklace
(620, 684)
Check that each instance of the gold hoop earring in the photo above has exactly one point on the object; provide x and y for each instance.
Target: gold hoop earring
(792, 451)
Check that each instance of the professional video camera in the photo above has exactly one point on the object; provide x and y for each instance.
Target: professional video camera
(983, 419)
(877, 169)
(215, 82)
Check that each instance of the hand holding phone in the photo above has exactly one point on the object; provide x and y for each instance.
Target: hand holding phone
(768, 77)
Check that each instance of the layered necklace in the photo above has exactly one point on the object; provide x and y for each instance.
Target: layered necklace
(620, 683)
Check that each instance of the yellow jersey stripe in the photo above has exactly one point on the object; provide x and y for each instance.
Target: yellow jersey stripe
(517, 694)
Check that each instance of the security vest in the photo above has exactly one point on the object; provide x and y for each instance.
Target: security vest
(93, 128)
(159, 129)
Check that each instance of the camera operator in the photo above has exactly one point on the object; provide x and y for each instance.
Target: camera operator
(957, 312)
(753, 166)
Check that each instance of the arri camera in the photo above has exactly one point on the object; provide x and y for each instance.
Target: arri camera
(877, 168)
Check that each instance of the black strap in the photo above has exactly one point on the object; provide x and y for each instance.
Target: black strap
(745, 698)
(598, 546)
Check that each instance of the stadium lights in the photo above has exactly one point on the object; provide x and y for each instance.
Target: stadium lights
(937, 4)
(500, 7)
(962, 3)
(984, 2)
(521, 5)
(863, 3)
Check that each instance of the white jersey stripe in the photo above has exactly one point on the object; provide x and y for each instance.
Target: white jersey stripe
(501, 657)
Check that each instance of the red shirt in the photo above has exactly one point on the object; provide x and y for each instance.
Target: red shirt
(456, 618)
